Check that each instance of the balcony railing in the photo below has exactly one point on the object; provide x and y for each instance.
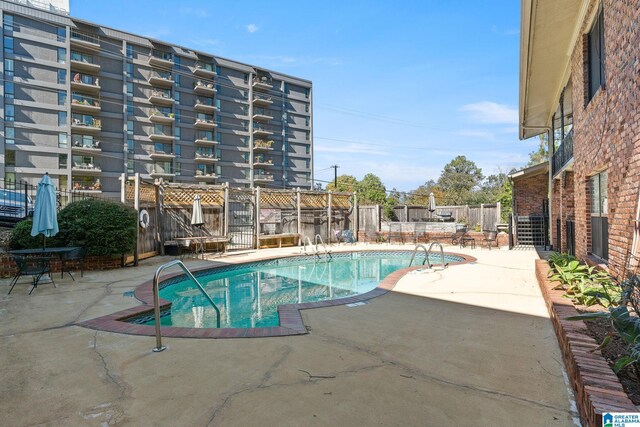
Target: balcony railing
(563, 154)
(85, 39)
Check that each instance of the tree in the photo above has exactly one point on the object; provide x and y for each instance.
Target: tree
(420, 196)
(540, 155)
(458, 179)
(346, 183)
(372, 190)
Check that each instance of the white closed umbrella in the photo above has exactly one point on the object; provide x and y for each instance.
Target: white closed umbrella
(197, 220)
(432, 203)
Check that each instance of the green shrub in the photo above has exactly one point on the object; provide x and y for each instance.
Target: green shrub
(101, 226)
(21, 237)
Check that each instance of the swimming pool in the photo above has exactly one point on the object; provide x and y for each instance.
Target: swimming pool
(248, 295)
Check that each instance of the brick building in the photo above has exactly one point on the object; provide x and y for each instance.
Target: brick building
(580, 84)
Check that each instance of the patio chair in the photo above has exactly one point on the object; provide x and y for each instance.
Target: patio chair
(371, 235)
(420, 233)
(459, 234)
(395, 232)
(36, 267)
(345, 236)
(71, 259)
(490, 237)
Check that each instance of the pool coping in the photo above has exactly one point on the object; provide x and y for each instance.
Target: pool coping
(290, 315)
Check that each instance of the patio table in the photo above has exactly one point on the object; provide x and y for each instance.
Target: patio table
(44, 251)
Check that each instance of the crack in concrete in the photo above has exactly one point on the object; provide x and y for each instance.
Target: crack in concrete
(424, 376)
(121, 386)
(262, 385)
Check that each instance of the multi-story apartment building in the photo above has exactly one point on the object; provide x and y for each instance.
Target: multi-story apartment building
(87, 103)
(579, 84)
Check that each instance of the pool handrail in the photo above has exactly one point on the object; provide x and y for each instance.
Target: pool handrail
(156, 305)
(444, 265)
(306, 239)
(326, 251)
(426, 255)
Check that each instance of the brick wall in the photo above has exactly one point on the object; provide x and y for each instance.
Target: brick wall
(607, 129)
(8, 267)
(528, 193)
(563, 207)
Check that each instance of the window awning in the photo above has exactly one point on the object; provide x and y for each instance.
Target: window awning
(548, 31)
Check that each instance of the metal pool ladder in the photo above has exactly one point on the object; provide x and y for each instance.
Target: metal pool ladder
(426, 254)
(306, 240)
(326, 251)
(156, 305)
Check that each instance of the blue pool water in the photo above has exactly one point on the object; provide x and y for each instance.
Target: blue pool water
(248, 295)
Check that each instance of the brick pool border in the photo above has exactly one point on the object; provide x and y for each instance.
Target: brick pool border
(597, 387)
(291, 322)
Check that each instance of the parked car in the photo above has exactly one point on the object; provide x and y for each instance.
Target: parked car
(13, 205)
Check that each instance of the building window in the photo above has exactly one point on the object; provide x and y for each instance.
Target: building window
(62, 161)
(10, 180)
(129, 69)
(307, 135)
(9, 90)
(178, 170)
(306, 108)
(62, 140)
(176, 78)
(599, 216)
(62, 97)
(596, 53)
(130, 127)
(9, 135)
(63, 181)
(62, 34)
(246, 78)
(129, 51)
(307, 149)
(177, 150)
(62, 77)
(306, 92)
(177, 116)
(9, 113)
(176, 132)
(8, 44)
(306, 121)
(130, 148)
(176, 61)
(62, 55)
(219, 137)
(129, 107)
(8, 22)
(10, 158)
(217, 69)
(129, 89)
(62, 118)
(245, 141)
(131, 166)
(8, 67)
(218, 105)
(218, 87)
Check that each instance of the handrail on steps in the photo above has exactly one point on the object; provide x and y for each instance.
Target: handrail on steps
(156, 305)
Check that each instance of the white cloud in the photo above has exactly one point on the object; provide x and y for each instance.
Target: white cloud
(491, 113)
(252, 28)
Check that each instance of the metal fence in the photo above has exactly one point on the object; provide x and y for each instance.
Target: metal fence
(17, 200)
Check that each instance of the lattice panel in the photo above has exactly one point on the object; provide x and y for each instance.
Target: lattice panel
(278, 199)
(341, 201)
(314, 200)
(185, 196)
(130, 191)
(147, 193)
(238, 195)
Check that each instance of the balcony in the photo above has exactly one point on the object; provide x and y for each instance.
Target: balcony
(86, 185)
(161, 59)
(205, 142)
(204, 70)
(85, 169)
(262, 145)
(88, 127)
(263, 100)
(261, 115)
(261, 131)
(86, 147)
(160, 117)
(161, 137)
(205, 176)
(78, 84)
(264, 83)
(260, 162)
(206, 158)
(161, 174)
(161, 79)
(202, 88)
(84, 65)
(205, 124)
(161, 155)
(161, 98)
(85, 41)
(84, 105)
(263, 178)
(563, 155)
(204, 107)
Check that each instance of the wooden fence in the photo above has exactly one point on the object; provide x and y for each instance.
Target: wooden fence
(487, 216)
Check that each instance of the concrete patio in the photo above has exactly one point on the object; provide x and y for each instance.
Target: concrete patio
(471, 345)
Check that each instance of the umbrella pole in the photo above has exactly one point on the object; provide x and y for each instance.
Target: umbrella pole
(44, 242)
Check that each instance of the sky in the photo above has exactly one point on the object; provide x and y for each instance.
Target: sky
(400, 87)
